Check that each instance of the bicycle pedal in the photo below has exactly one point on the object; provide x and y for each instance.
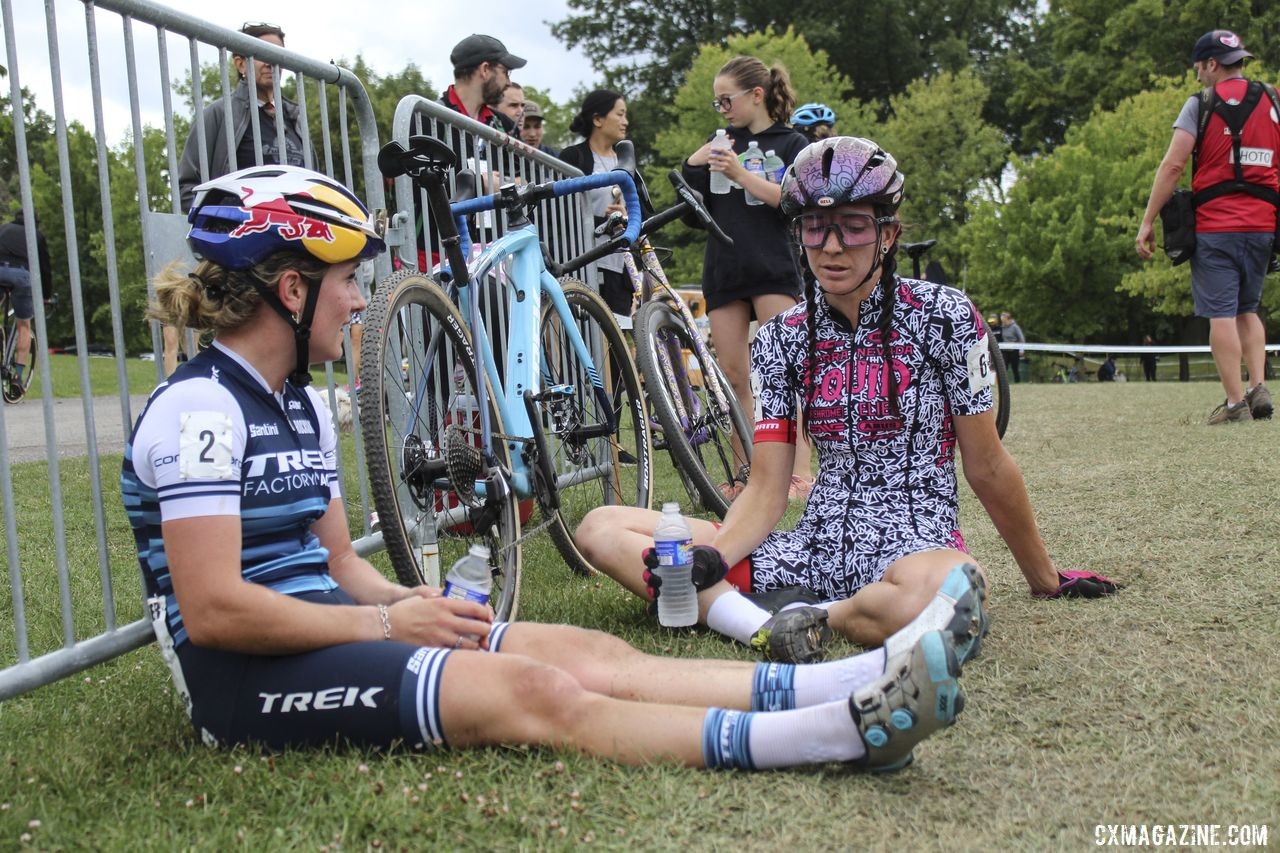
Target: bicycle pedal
(555, 392)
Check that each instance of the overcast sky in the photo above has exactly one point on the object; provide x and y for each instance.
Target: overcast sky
(389, 35)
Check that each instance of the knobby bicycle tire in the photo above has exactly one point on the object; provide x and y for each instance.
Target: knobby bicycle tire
(1000, 387)
(417, 374)
(13, 392)
(591, 470)
(700, 443)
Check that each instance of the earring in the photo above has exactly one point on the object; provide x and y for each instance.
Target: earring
(884, 250)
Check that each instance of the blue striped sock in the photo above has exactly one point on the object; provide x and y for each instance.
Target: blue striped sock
(726, 739)
(773, 687)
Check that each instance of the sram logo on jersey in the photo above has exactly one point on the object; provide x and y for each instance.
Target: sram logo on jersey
(319, 700)
(259, 430)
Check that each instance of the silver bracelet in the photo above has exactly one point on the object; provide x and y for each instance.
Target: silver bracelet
(386, 621)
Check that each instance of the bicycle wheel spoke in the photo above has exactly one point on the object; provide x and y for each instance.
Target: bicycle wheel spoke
(418, 389)
(596, 435)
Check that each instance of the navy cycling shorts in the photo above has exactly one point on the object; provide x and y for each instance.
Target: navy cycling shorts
(368, 694)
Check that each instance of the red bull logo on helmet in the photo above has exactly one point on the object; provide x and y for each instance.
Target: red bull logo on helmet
(288, 225)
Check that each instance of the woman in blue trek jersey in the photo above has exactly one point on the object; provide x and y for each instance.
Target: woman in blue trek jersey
(276, 632)
(892, 379)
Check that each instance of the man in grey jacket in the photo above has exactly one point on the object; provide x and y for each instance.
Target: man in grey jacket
(216, 114)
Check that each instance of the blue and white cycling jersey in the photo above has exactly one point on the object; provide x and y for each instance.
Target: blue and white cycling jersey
(215, 440)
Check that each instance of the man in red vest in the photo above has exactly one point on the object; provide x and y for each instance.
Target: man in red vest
(1237, 188)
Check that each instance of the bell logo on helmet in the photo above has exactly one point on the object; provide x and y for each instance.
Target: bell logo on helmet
(826, 201)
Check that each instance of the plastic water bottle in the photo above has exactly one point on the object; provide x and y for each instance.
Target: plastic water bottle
(774, 168)
(470, 578)
(720, 182)
(753, 161)
(672, 539)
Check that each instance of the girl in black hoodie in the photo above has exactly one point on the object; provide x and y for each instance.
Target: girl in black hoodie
(758, 277)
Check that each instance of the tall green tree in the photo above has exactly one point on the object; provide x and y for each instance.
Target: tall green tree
(1057, 249)
(951, 157)
(1094, 53)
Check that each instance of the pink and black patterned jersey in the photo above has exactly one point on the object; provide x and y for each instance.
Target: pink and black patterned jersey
(886, 484)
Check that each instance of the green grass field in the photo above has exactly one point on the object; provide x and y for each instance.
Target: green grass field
(1156, 706)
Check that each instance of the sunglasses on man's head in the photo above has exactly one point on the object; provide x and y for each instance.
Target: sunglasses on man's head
(852, 229)
(261, 28)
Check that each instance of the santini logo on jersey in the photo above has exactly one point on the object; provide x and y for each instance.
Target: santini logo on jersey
(320, 700)
(259, 430)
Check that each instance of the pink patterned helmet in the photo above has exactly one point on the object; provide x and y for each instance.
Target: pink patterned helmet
(841, 170)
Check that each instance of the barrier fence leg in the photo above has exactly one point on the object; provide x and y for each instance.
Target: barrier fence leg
(1184, 368)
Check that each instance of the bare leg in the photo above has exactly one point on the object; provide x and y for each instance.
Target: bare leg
(729, 324)
(1253, 342)
(879, 609)
(509, 699)
(614, 537)
(22, 351)
(1224, 341)
(602, 663)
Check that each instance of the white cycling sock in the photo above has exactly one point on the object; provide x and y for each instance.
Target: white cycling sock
(736, 617)
(817, 683)
(812, 735)
(784, 686)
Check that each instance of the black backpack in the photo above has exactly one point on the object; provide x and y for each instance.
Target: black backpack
(1178, 215)
(1235, 116)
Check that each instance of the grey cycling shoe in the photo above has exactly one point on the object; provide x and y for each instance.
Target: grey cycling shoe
(917, 696)
(798, 635)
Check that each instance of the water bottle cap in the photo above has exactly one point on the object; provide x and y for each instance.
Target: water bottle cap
(481, 551)
(671, 506)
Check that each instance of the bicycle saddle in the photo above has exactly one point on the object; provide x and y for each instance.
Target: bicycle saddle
(915, 250)
(425, 155)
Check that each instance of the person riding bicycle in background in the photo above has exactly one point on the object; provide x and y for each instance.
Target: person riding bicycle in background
(815, 121)
(893, 377)
(758, 277)
(15, 274)
(276, 632)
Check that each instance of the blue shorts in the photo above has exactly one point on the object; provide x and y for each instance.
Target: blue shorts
(367, 694)
(1227, 270)
(19, 280)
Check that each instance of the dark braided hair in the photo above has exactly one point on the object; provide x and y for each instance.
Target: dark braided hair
(888, 287)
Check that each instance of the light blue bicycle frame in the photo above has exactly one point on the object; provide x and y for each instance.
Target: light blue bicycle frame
(524, 359)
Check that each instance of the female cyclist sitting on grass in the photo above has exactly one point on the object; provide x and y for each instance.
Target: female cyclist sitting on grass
(893, 378)
(278, 633)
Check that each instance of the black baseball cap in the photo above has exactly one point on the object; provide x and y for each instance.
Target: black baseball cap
(1222, 45)
(475, 49)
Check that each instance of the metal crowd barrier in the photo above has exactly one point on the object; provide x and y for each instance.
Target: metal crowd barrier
(62, 616)
(73, 600)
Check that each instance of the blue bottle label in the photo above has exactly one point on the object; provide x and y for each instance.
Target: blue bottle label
(674, 553)
(462, 593)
